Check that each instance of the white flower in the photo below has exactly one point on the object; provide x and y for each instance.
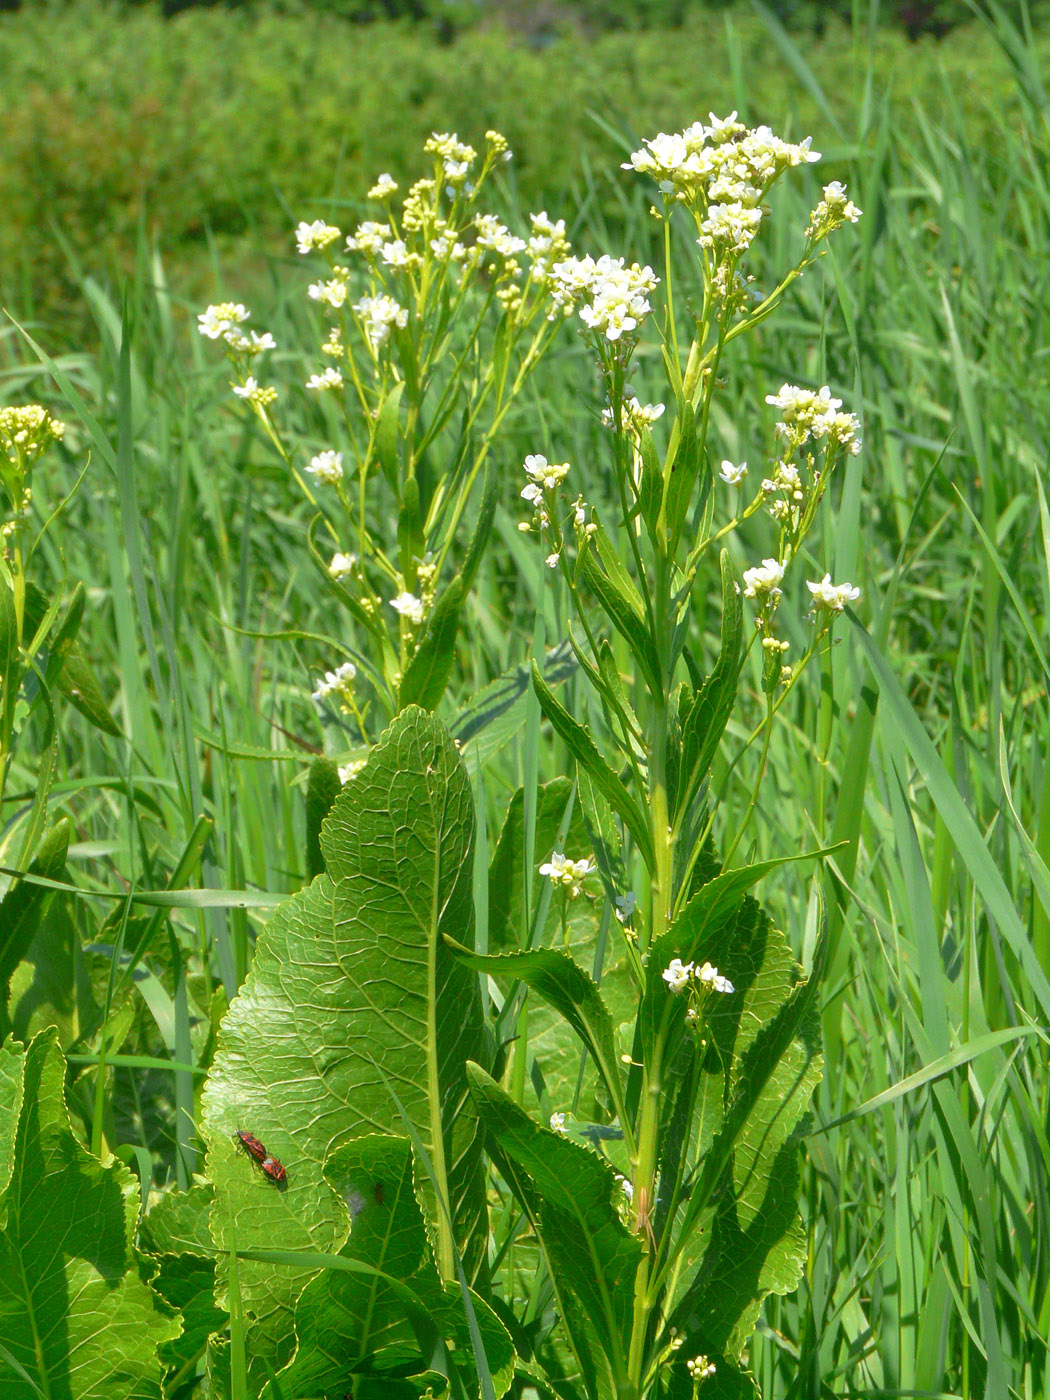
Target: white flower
(634, 415)
(677, 974)
(495, 237)
(378, 314)
(616, 296)
(732, 475)
(396, 254)
(625, 906)
(351, 769)
(327, 379)
(338, 682)
(558, 1122)
(764, 580)
(247, 389)
(333, 292)
(409, 606)
(383, 188)
(251, 344)
(369, 237)
(220, 319)
(342, 565)
(626, 1188)
(714, 979)
(327, 466)
(552, 560)
(315, 235)
(570, 874)
(832, 597)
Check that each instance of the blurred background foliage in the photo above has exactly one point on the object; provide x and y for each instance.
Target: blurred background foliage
(218, 127)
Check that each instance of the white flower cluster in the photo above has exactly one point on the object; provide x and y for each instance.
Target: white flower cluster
(309, 237)
(809, 413)
(327, 467)
(679, 975)
(342, 565)
(26, 431)
(384, 187)
(543, 476)
(784, 492)
(615, 297)
(369, 237)
(329, 378)
(222, 322)
(333, 292)
(832, 212)
(715, 161)
(377, 315)
(700, 1368)
(732, 225)
(547, 245)
(494, 237)
(455, 155)
(339, 683)
(763, 581)
(254, 393)
(831, 597)
(634, 415)
(569, 874)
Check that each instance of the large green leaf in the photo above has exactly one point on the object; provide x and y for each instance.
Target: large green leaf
(23, 907)
(75, 1314)
(354, 1325)
(352, 976)
(760, 1068)
(571, 1195)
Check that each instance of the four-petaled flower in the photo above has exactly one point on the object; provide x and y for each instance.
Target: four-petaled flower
(832, 597)
(570, 874)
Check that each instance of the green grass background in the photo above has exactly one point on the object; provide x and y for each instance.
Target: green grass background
(168, 162)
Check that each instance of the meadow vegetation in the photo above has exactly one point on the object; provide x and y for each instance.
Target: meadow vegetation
(187, 789)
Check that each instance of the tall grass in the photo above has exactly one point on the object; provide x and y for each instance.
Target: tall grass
(927, 1200)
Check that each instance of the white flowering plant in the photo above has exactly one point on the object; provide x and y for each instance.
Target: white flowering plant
(436, 314)
(558, 1158)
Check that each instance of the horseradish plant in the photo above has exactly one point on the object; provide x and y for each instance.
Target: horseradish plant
(621, 1244)
(548, 1151)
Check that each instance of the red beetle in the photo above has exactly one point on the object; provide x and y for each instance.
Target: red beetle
(251, 1145)
(271, 1167)
(274, 1170)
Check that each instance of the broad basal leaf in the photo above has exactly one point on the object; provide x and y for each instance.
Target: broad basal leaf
(75, 1313)
(352, 992)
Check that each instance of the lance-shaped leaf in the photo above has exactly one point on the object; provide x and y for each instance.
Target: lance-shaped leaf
(631, 626)
(571, 1194)
(585, 751)
(564, 985)
(75, 1314)
(349, 975)
(704, 723)
(426, 675)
